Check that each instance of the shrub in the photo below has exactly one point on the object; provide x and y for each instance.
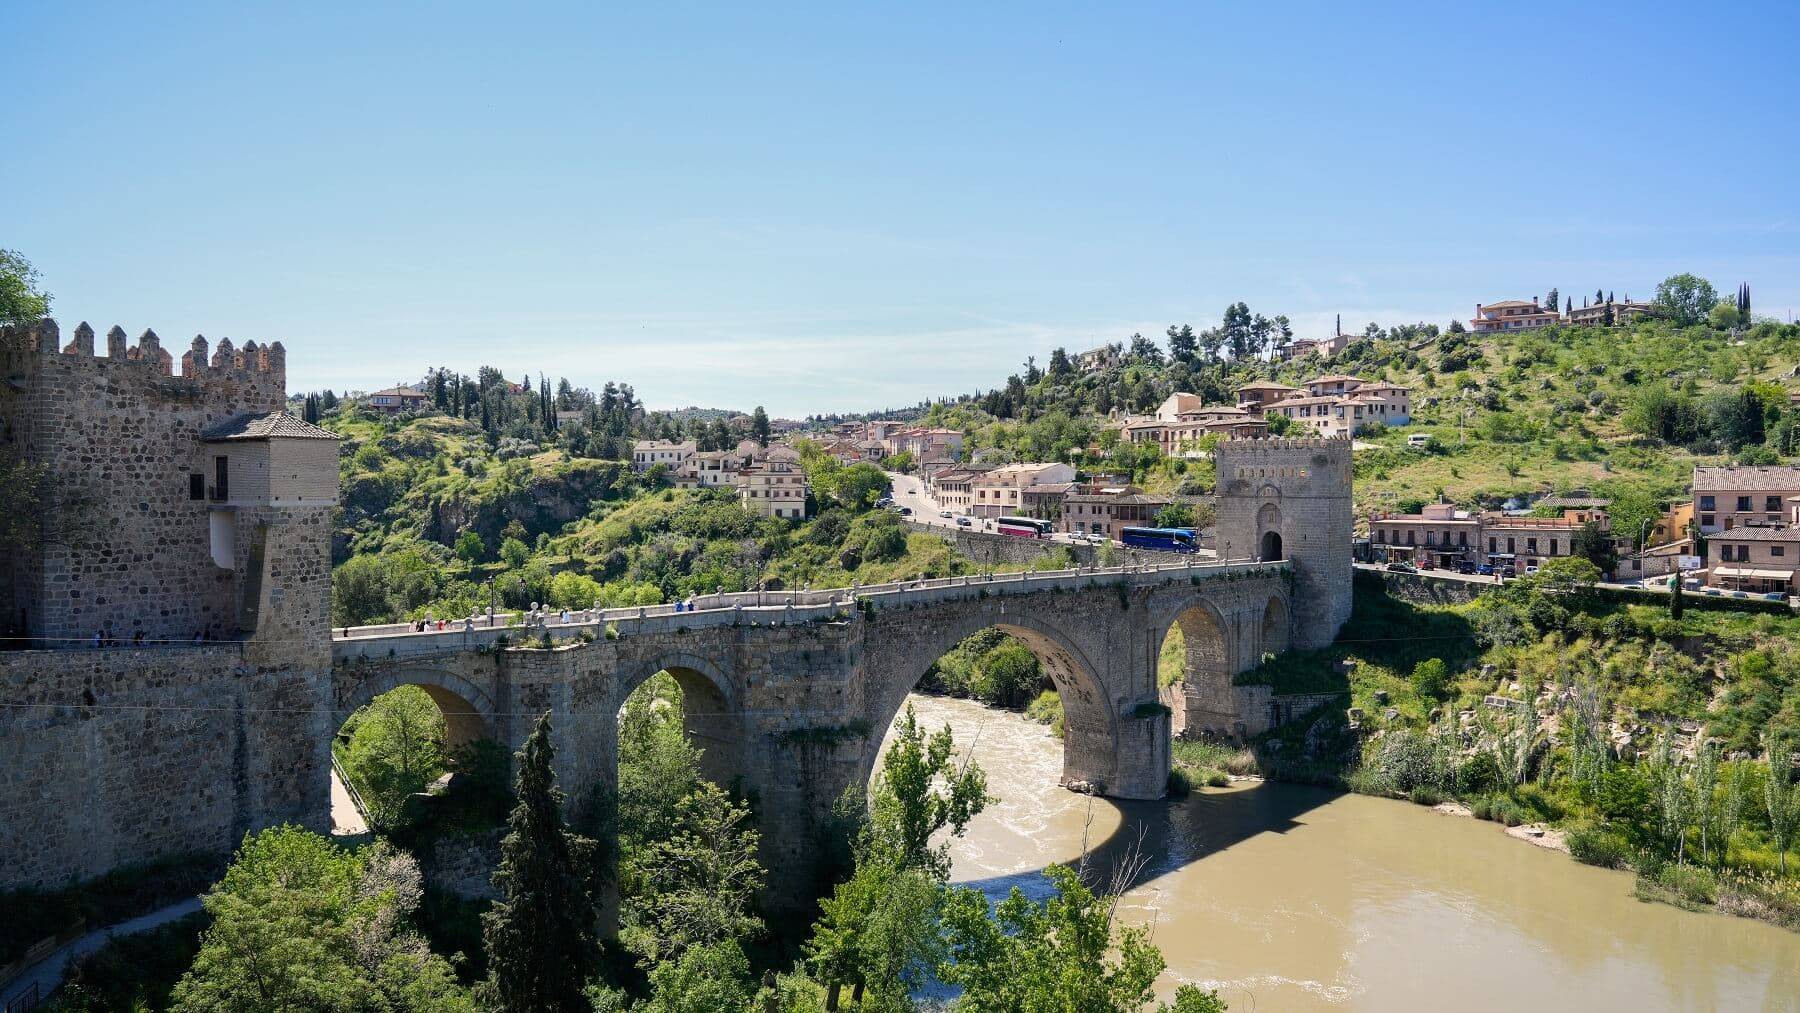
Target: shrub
(1687, 886)
(1217, 778)
(1046, 709)
(1597, 844)
(1409, 760)
(1179, 782)
(1425, 795)
(1478, 775)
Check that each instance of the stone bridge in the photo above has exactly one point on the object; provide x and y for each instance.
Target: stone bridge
(128, 752)
(790, 694)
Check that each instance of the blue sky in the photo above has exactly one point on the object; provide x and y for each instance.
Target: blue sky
(843, 207)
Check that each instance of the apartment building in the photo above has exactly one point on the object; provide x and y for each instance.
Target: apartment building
(1439, 535)
(395, 400)
(1045, 502)
(1727, 498)
(1442, 536)
(1105, 510)
(1756, 559)
(1531, 541)
(774, 486)
(645, 454)
(1096, 359)
(1324, 346)
(1001, 491)
(1513, 315)
(1622, 313)
(1261, 394)
(954, 488)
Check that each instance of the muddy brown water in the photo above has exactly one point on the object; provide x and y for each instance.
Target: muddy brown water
(1292, 898)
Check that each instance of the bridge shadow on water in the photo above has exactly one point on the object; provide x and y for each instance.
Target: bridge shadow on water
(1165, 836)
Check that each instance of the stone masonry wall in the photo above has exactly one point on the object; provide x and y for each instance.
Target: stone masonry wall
(109, 757)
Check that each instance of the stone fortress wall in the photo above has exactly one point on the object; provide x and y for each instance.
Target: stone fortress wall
(135, 750)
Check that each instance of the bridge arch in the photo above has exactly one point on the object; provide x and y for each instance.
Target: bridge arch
(469, 712)
(711, 715)
(1216, 644)
(1091, 734)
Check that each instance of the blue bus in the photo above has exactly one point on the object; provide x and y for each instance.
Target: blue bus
(1163, 539)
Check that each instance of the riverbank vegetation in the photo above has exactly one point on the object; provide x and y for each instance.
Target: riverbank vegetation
(300, 921)
(1667, 745)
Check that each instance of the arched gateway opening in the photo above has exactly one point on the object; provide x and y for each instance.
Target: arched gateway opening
(1194, 670)
(689, 693)
(1018, 664)
(412, 748)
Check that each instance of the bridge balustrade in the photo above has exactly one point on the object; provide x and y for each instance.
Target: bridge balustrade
(757, 607)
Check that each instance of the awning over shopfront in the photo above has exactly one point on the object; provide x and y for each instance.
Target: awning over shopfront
(1752, 573)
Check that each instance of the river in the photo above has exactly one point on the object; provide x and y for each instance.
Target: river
(1289, 898)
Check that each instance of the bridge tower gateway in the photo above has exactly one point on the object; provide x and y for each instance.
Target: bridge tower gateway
(1291, 499)
(167, 629)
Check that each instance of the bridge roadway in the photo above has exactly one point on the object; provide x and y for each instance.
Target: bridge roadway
(757, 607)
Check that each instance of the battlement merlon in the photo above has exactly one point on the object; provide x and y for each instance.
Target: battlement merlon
(265, 363)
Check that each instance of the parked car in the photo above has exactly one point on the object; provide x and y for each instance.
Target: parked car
(944, 514)
(1465, 567)
(963, 522)
(1399, 567)
(1485, 569)
(1775, 596)
(1529, 570)
(1509, 571)
(906, 511)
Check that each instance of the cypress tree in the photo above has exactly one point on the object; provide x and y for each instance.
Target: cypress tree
(1675, 603)
(540, 938)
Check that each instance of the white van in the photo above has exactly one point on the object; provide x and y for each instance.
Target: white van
(1418, 441)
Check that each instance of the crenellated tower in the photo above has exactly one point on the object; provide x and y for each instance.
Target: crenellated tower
(1291, 499)
(169, 496)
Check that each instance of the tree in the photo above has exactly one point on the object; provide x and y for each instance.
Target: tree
(1676, 604)
(879, 931)
(706, 979)
(701, 881)
(1595, 546)
(1552, 300)
(513, 552)
(1685, 298)
(469, 546)
(1430, 678)
(759, 426)
(21, 301)
(1781, 800)
(1183, 345)
(541, 945)
(1065, 953)
(1175, 515)
(1007, 674)
(921, 791)
(1568, 574)
(301, 924)
(396, 749)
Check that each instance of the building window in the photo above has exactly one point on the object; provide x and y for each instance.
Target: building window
(1778, 550)
(1743, 504)
(1706, 520)
(221, 478)
(1772, 503)
(1553, 546)
(1493, 545)
(1706, 503)
(1531, 545)
(196, 486)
